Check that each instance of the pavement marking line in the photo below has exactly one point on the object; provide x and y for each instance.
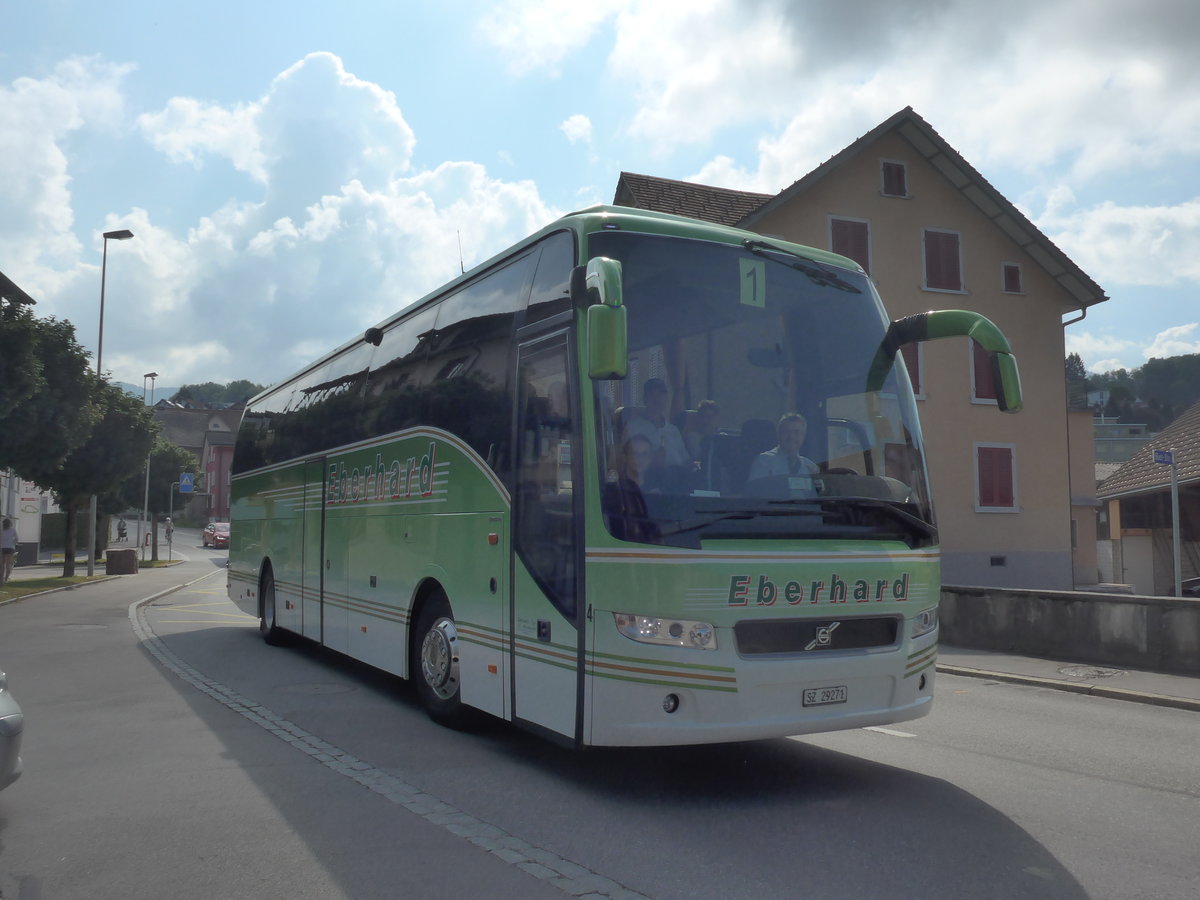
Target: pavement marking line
(891, 731)
(542, 864)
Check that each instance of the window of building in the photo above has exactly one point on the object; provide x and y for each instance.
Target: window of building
(943, 260)
(995, 478)
(852, 238)
(894, 178)
(912, 361)
(983, 376)
(1012, 279)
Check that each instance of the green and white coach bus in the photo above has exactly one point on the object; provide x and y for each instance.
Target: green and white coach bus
(638, 480)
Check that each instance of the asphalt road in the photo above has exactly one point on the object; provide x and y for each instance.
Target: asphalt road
(169, 752)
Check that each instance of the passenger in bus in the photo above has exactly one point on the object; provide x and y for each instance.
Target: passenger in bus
(625, 501)
(785, 457)
(700, 436)
(652, 421)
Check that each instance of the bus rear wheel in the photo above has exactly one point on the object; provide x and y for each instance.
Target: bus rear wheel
(435, 663)
(271, 633)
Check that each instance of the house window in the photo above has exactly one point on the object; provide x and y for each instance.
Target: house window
(983, 376)
(943, 260)
(1012, 279)
(912, 362)
(852, 238)
(895, 179)
(995, 478)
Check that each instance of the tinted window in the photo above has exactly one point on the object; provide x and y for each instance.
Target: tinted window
(551, 284)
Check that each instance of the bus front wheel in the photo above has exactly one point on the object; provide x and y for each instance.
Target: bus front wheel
(435, 664)
(270, 632)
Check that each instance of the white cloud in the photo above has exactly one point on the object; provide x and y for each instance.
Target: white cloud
(1177, 341)
(36, 118)
(577, 128)
(1098, 350)
(1094, 85)
(344, 231)
(1130, 245)
(540, 35)
(187, 130)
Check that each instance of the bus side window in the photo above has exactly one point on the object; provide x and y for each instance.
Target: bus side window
(551, 284)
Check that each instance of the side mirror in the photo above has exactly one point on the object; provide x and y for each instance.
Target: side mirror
(607, 327)
(945, 323)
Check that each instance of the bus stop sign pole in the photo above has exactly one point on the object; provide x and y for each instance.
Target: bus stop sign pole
(1167, 458)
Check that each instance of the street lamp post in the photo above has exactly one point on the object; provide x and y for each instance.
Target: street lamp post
(122, 235)
(146, 500)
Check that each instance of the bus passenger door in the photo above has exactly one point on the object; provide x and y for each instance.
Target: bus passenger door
(547, 628)
(312, 548)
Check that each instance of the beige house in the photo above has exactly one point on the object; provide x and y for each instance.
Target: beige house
(1015, 494)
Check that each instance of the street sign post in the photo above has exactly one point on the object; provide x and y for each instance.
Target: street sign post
(1167, 458)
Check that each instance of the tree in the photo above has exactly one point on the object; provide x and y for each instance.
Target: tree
(47, 384)
(211, 393)
(1076, 382)
(116, 446)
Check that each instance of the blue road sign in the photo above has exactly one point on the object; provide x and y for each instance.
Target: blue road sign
(185, 482)
(1164, 457)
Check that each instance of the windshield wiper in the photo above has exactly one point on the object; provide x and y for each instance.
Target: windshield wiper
(820, 273)
(915, 525)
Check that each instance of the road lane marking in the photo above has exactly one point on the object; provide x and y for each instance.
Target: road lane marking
(892, 731)
(539, 862)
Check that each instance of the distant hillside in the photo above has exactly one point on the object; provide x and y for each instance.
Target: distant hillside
(1155, 393)
(160, 393)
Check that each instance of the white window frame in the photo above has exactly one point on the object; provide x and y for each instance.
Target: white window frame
(882, 182)
(1020, 278)
(1012, 448)
(981, 401)
(962, 274)
(830, 219)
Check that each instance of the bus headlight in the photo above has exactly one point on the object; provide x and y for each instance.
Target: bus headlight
(669, 632)
(925, 621)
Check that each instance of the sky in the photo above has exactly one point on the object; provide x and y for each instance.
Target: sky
(294, 173)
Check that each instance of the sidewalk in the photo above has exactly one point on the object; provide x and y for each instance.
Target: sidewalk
(1156, 688)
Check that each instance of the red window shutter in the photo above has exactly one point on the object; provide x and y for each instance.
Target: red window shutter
(995, 477)
(895, 182)
(850, 239)
(985, 383)
(941, 261)
(912, 361)
(1012, 278)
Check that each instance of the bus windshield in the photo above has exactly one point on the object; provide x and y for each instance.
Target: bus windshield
(746, 412)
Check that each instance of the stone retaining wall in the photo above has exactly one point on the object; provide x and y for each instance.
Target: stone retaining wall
(1160, 634)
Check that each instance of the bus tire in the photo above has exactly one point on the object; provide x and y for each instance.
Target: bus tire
(267, 627)
(435, 663)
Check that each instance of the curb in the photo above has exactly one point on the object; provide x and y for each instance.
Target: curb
(99, 579)
(1077, 687)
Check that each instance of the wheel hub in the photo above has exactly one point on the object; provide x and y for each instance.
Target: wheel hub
(439, 659)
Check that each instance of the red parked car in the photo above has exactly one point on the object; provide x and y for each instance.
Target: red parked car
(216, 534)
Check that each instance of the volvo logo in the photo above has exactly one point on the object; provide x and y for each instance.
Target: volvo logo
(824, 638)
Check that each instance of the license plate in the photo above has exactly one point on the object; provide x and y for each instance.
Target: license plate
(824, 696)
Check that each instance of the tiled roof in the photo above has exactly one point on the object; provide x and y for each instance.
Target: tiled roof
(1142, 474)
(686, 198)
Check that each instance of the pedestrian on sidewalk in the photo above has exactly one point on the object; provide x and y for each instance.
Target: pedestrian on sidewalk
(8, 550)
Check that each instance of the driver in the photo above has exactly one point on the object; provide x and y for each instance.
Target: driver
(785, 458)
